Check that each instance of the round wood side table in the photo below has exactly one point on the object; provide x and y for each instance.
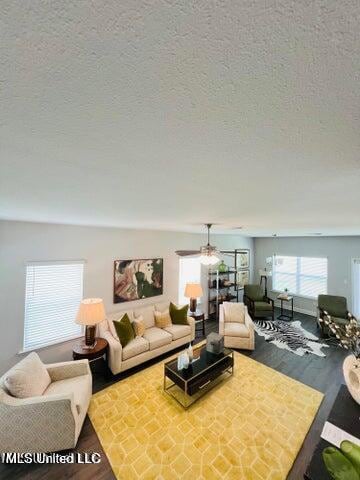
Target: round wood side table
(100, 351)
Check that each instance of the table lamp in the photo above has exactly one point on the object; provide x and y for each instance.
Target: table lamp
(264, 275)
(91, 312)
(193, 291)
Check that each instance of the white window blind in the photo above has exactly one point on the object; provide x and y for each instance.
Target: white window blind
(52, 297)
(189, 272)
(305, 276)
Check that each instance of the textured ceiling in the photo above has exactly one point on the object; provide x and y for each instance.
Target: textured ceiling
(168, 114)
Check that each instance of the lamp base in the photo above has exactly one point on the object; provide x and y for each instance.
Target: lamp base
(193, 305)
(90, 341)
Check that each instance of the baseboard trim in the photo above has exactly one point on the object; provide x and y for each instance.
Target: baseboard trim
(296, 309)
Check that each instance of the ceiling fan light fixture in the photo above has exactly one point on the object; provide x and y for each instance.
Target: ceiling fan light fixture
(208, 253)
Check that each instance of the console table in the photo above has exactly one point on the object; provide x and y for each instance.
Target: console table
(344, 414)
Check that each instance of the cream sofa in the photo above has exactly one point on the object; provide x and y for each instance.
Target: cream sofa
(236, 326)
(49, 422)
(154, 342)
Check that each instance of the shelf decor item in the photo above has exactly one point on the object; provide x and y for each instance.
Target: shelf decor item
(223, 268)
(193, 291)
(349, 338)
(91, 312)
(136, 279)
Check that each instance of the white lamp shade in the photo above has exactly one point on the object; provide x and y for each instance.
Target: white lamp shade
(91, 311)
(265, 273)
(193, 290)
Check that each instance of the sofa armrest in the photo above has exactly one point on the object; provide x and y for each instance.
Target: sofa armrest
(63, 370)
(114, 352)
(221, 320)
(191, 322)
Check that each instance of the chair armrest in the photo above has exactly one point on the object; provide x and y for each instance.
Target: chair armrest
(269, 300)
(248, 321)
(53, 423)
(221, 320)
(63, 370)
(114, 352)
(191, 322)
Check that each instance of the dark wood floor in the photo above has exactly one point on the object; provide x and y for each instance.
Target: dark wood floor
(323, 374)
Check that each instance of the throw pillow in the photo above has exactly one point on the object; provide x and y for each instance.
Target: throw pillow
(124, 330)
(162, 319)
(28, 378)
(139, 326)
(179, 314)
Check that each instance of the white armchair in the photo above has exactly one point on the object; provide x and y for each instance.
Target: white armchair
(236, 326)
(49, 422)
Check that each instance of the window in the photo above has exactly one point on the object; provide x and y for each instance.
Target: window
(189, 272)
(52, 297)
(304, 276)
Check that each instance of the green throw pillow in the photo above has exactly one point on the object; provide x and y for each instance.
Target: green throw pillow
(178, 315)
(124, 330)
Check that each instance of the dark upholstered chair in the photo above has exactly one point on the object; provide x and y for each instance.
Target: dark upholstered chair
(258, 304)
(334, 306)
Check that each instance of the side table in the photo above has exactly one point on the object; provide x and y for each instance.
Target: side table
(284, 316)
(199, 317)
(98, 352)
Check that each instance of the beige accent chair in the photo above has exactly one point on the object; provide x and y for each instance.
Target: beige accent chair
(49, 422)
(236, 326)
(153, 343)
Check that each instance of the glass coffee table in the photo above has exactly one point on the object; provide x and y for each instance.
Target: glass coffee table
(206, 371)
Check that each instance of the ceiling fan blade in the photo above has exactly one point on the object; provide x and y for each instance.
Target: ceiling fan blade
(185, 253)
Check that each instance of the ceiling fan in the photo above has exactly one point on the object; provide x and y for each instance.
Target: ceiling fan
(209, 254)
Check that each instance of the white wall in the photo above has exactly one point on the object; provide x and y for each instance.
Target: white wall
(338, 250)
(21, 242)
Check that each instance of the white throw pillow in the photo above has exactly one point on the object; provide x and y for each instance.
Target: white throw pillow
(28, 378)
(234, 312)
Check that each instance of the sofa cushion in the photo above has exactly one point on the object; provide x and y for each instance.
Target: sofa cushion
(124, 330)
(162, 319)
(139, 326)
(179, 314)
(157, 337)
(234, 312)
(135, 347)
(178, 331)
(117, 316)
(28, 378)
(235, 329)
(78, 386)
(148, 315)
(254, 292)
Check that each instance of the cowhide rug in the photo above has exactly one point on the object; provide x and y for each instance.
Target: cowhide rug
(290, 336)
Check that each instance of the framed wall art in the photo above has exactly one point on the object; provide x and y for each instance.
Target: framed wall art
(242, 259)
(242, 278)
(137, 279)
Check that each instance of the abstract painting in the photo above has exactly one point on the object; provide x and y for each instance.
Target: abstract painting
(137, 279)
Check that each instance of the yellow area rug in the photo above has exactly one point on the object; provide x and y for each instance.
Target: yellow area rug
(249, 427)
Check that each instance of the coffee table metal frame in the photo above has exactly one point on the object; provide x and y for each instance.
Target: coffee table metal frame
(206, 387)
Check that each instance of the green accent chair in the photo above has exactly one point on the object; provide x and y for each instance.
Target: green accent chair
(259, 305)
(334, 306)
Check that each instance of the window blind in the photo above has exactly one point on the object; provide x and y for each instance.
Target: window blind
(305, 276)
(53, 293)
